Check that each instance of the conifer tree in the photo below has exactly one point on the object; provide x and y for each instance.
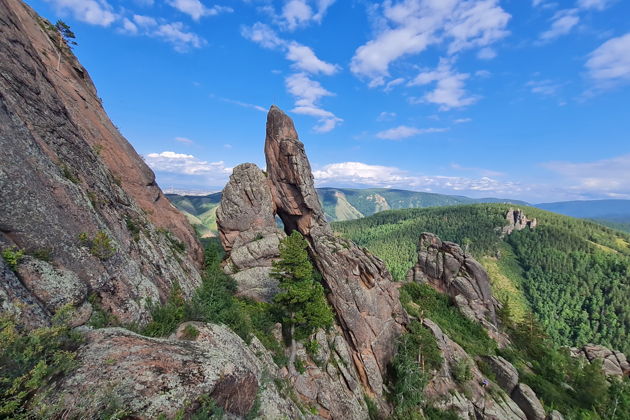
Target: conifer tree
(301, 300)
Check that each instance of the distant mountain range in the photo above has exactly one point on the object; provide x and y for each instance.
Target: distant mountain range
(342, 204)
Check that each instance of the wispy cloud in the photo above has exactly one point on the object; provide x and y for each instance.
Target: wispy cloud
(299, 13)
(184, 140)
(403, 131)
(196, 9)
(606, 177)
(386, 116)
(561, 24)
(240, 103)
(609, 64)
(308, 92)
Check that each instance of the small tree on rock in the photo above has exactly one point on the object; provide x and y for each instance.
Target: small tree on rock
(66, 38)
(301, 300)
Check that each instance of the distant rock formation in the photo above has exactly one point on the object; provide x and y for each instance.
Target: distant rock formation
(447, 268)
(614, 363)
(361, 290)
(517, 221)
(74, 193)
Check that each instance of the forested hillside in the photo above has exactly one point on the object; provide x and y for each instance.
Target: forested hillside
(574, 274)
(611, 213)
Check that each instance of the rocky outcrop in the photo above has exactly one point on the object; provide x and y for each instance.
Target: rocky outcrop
(362, 291)
(248, 232)
(469, 399)
(614, 363)
(517, 220)
(75, 194)
(505, 373)
(447, 268)
(527, 400)
(147, 377)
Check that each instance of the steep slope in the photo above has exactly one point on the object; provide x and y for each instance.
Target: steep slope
(574, 274)
(75, 196)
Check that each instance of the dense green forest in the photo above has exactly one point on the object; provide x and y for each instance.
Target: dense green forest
(574, 274)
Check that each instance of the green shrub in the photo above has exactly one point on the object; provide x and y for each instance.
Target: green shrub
(133, 228)
(190, 332)
(299, 365)
(12, 257)
(429, 303)
(68, 174)
(462, 372)
(30, 360)
(100, 245)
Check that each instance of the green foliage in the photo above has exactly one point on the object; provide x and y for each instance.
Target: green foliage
(462, 372)
(174, 243)
(301, 299)
(299, 365)
(372, 408)
(422, 301)
(12, 256)
(29, 361)
(100, 245)
(190, 332)
(208, 410)
(68, 174)
(133, 227)
(66, 33)
(416, 357)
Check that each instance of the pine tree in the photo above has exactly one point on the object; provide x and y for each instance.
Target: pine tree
(301, 299)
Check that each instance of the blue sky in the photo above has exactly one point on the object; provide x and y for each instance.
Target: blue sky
(517, 98)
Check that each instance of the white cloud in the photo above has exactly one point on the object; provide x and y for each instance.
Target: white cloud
(308, 92)
(403, 131)
(176, 34)
(462, 120)
(184, 140)
(386, 116)
(298, 13)
(486, 54)
(543, 87)
(561, 24)
(144, 21)
(608, 177)
(449, 89)
(364, 175)
(305, 59)
(594, 4)
(411, 26)
(196, 9)
(94, 12)
(609, 64)
(129, 27)
(184, 164)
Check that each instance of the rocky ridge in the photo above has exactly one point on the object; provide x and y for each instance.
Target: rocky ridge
(361, 290)
(75, 196)
(516, 220)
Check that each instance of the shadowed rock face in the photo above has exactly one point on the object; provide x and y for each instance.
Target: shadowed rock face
(446, 267)
(614, 363)
(65, 171)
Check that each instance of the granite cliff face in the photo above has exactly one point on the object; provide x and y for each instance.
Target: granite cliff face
(361, 290)
(516, 220)
(446, 267)
(75, 195)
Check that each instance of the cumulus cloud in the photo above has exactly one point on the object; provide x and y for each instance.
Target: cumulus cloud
(365, 175)
(608, 177)
(609, 64)
(411, 26)
(403, 131)
(94, 12)
(449, 91)
(176, 34)
(212, 173)
(308, 92)
(562, 23)
(196, 10)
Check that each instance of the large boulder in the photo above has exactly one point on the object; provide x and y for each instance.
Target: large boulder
(516, 220)
(248, 232)
(505, 373)
(527, 400)
(151, 377)
(447, 268)
(362, 291)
